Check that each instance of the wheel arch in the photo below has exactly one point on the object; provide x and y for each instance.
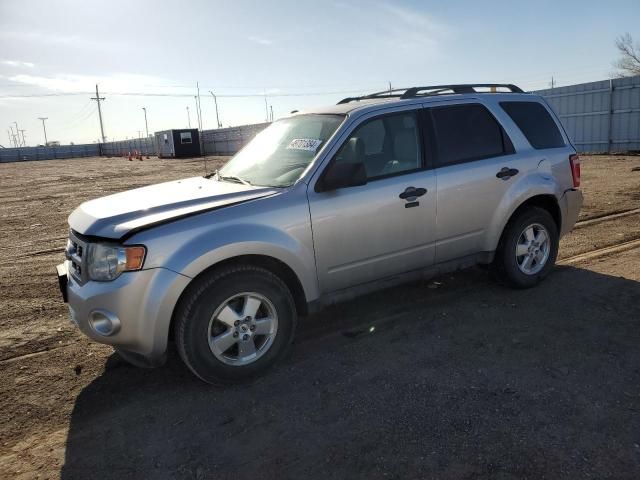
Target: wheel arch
(279, 268)
(547, 202)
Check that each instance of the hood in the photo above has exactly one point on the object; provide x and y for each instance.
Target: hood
(121, 215)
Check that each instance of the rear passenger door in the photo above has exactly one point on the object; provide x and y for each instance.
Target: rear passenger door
(475, 166)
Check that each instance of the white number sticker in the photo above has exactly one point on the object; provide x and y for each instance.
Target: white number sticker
(307, 144)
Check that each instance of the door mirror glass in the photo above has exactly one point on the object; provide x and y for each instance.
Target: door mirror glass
(342, 175)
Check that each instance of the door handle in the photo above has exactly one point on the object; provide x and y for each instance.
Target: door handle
(411, 193)
(506, 173)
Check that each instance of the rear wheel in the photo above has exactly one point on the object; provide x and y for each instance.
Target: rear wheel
(527, 250)
(234, 323)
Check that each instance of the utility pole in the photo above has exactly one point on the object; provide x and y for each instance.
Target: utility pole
(146, 126)
(390, 88)
(98, 98)
(553, 82)
(199, 105)
(24, 142)
(188, 116)
(266, 108)
(271, 108)
(45, 129)
(215, 100)
(195, 97)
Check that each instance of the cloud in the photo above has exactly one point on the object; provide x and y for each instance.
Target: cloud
(260, 40)
(411, 28)
(17, 63)
(114, 83)
(60, 40)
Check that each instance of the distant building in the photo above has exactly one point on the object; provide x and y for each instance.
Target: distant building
(182, 143)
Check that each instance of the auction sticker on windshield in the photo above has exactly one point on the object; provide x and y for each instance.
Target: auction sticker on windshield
(307, 144)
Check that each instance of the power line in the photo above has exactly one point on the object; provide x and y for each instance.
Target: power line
(81, 115)
(81, 119)
(184, 95)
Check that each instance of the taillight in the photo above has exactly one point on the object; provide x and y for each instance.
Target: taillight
(574, 161)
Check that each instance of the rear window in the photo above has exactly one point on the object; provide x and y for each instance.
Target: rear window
(536, 124)
(466, 133)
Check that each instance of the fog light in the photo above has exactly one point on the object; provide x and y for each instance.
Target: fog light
(104, 323)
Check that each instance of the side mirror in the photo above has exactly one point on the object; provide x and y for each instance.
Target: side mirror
(341, 175)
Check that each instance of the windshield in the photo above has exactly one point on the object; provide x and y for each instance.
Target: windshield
(279, 154)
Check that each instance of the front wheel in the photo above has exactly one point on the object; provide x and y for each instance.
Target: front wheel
(528, 249)
(234, 323)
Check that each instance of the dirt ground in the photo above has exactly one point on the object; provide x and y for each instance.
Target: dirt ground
(456, 379)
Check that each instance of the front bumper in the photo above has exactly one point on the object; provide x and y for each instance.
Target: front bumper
(571, 203)
(141, 302)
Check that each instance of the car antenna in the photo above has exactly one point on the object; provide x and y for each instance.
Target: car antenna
(200, 140)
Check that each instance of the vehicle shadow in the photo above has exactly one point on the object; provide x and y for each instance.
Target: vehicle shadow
(456, 379)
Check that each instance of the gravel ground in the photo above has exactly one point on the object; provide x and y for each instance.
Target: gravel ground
(461, 379)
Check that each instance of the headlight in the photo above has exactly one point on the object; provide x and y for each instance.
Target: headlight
(107, 262)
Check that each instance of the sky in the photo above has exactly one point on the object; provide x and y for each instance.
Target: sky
(296, 54)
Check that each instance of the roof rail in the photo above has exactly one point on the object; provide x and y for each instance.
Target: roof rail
(390, 93)
(426, 91)
(462, 88)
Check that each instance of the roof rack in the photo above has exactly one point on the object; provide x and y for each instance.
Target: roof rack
(391, 93)
(413, 92)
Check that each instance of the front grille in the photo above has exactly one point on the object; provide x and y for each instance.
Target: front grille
(75, 253)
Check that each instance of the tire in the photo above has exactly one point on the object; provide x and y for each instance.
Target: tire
(513, 270)
(228, 293)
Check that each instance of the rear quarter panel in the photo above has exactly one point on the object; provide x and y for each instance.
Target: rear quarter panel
(548, 171)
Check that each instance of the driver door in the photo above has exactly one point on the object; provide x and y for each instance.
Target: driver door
(369, 232)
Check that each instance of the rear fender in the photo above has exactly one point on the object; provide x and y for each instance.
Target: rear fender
(536, 183)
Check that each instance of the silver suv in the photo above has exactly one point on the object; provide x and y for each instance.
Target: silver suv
(317, 208)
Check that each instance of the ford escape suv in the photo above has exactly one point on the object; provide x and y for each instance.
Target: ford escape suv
(319, 207)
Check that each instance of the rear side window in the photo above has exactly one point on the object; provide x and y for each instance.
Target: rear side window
(536, 124)
(467, 132)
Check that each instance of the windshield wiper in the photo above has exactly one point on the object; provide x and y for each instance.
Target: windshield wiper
(231, 178)
(227, 178)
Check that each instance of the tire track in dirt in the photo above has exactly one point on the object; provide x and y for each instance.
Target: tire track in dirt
(601, 252)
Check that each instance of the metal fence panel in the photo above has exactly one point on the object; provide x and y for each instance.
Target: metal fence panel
(122, 148)
(228, 141)
(25, 154)
(600, 117)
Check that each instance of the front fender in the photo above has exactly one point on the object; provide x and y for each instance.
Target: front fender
(210, 248)
(278, 226)
(536, 183)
